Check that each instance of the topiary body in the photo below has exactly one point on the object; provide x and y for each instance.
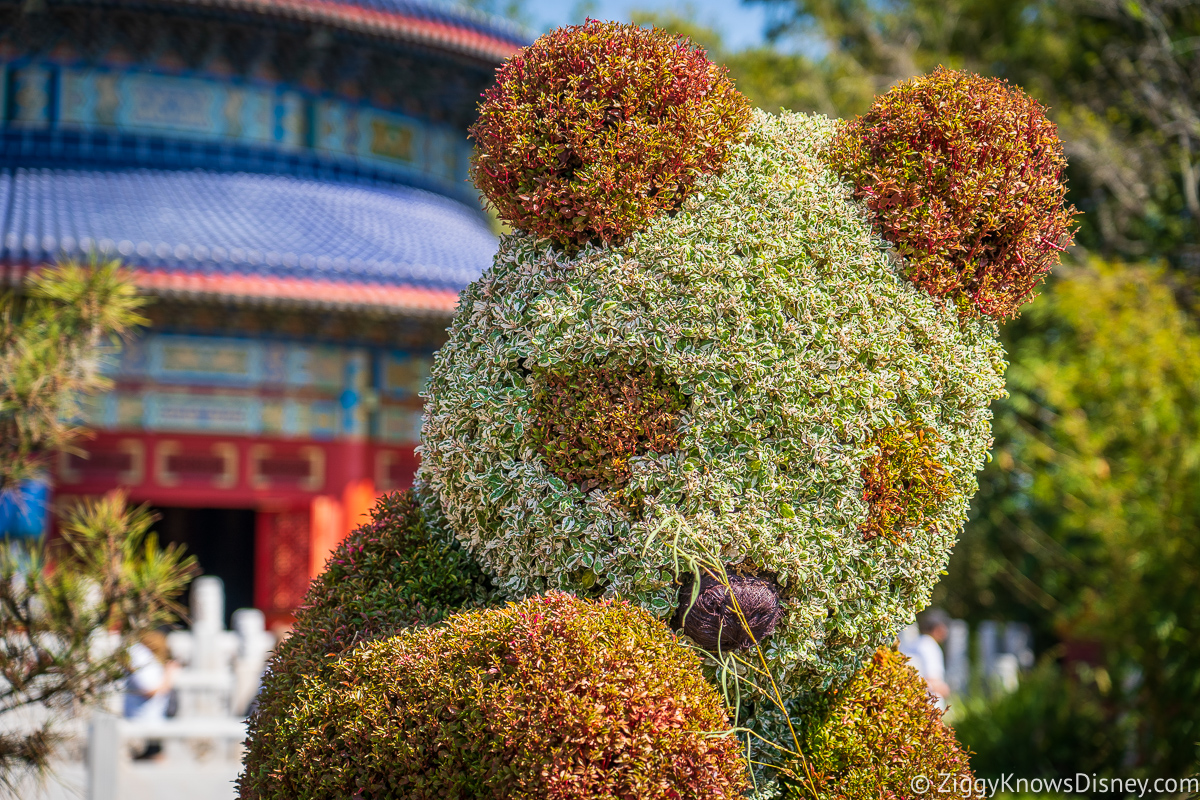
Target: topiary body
(880, 735)
(794, 339)
(554, 697)
(393, 573)
(706, 370)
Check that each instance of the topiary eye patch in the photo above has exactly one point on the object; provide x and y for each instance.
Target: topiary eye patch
(903, 483)
(591, 420)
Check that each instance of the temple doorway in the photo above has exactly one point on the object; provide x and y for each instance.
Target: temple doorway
(222, 539)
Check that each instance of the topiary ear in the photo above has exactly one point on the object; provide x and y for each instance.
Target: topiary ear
(595, 129)
(964, 175)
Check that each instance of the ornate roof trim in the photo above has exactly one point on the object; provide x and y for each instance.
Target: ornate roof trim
(384, 301)
(245, 238)
(450, 29)
(298, 293)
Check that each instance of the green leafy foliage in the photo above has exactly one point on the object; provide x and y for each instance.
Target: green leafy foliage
(591, 421)
(392, 573)
(49, 356)
(1086, 525)
(902, 483)
(552, 697)
(875, 736)
(1057, 722)
(595, 129)
(964, 176)
(106, 573)
(773, 78)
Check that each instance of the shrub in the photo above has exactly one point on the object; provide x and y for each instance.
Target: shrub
(554, 697)
(903, 484)
(875, 736)
(964, 175)
(392, 573)
(591, 421)
(1056, 722)
(594, 129)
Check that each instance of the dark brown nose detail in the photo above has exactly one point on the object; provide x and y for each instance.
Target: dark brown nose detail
(712, 622)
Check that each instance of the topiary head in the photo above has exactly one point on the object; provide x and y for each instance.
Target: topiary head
(552, 697)
(753, 390)
(746, 393)
(595, 129)
(964, 176)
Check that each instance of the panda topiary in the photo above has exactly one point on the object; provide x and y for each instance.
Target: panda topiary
(731, 368)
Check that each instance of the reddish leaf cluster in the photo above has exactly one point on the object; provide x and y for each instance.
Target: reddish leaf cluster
(878, 737)
(964, 175)
(902, 482)
(590, 422)
(595, 129)
(553, 697)
(388, 575)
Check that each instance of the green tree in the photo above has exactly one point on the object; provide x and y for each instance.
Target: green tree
(69, 611)
(773, 79)
(1087, 519)
(1122, 80)
(513, 10)
(51, 336)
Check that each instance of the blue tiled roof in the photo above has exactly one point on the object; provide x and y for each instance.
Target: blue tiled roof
(244, 224)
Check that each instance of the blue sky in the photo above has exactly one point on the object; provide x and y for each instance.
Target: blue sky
(740, 25)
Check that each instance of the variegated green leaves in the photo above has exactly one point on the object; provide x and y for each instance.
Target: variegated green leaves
(781, 317)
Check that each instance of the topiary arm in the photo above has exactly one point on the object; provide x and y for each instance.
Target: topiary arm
(393, 573)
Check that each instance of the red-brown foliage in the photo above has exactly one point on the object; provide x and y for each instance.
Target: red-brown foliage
(390, 574)
(879, 736)
(554, 697)
(902, 482)
(964, 175)
(594, 129)
(591, 421)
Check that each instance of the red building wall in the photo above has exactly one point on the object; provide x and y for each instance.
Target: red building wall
(307, 494)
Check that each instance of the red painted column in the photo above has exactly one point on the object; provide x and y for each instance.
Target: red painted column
(283, 555)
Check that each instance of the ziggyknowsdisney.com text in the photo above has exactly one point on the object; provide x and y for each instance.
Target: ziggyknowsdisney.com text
(1080, 783)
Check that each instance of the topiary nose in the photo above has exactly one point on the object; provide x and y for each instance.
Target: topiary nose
(713, 622)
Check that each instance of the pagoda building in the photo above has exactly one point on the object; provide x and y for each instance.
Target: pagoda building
(288, 180)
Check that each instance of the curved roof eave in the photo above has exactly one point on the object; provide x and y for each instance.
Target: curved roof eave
(455, 33)
(384, 301)
(243, 290)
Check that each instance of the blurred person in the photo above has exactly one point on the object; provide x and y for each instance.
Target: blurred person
(925, 652)
(149, 684)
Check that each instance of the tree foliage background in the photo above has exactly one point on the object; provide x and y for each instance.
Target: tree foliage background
(70, 609)
(1087, 523)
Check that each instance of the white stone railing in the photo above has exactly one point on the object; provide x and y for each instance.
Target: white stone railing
(201, 758)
